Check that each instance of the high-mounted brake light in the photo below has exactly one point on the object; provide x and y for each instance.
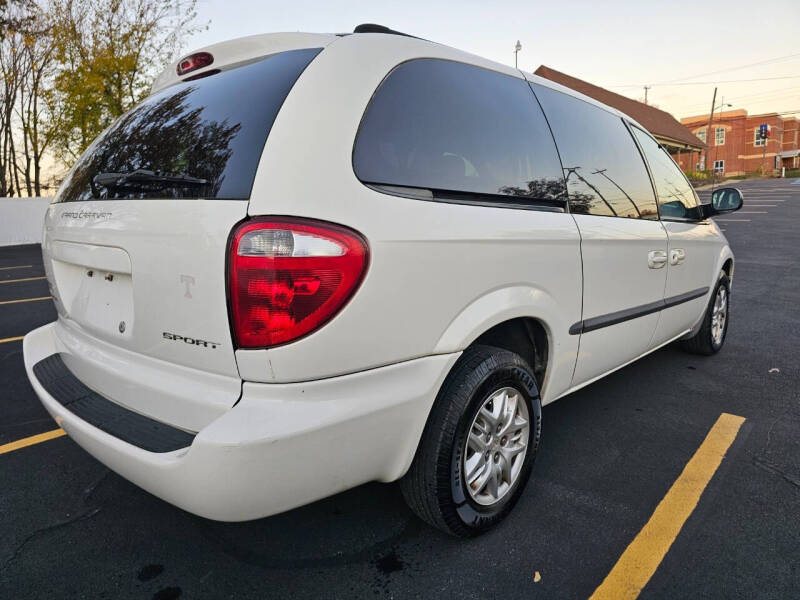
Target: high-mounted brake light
(288, 277)
(195, 61)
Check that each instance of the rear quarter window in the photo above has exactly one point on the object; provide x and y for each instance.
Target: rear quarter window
(451, 127)
(213, 128)
(676, 197)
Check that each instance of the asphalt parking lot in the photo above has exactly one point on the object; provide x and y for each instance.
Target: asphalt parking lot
(610, 453)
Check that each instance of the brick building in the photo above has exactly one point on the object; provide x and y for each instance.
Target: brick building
(734, 147)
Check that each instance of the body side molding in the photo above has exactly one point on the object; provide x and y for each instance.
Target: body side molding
(632, 313)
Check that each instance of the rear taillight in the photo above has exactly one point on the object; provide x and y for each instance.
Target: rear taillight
(195, 61)
(287, 277)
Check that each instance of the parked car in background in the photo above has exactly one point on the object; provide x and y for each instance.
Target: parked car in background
(310, 261)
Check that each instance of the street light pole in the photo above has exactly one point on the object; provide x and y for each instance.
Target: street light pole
(517, 48)
(708, 135)
(721, 108)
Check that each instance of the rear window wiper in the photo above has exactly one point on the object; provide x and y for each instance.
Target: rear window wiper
(147, 177)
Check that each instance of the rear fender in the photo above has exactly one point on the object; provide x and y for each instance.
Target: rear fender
(514, 302)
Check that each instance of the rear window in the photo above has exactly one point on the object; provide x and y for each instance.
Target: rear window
(447, 126)
(195, 139)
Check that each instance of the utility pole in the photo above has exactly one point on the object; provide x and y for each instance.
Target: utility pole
(647, 87)
(708, 135)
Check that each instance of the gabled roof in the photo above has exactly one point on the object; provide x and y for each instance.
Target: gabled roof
(658, 122)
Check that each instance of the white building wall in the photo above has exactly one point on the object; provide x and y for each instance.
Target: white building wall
(21, 220)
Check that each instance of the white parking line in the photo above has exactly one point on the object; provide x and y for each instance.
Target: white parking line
(732, 220)
(753, 212)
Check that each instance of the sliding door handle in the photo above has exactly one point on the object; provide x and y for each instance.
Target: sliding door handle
(656, 259)
(677, 256)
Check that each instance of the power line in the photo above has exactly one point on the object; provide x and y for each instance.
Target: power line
(755, 64)
(764, 96)
(771, 112)
(707, 82)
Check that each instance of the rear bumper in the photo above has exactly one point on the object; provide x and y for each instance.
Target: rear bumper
(281, 446)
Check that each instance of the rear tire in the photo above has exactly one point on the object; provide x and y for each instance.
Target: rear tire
(489, 401)
(711, 336)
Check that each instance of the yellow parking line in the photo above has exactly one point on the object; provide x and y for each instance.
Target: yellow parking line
(642, 557)
(11, 339)
(16, 267)
(30, 441)
(21, 280)
(25, 300)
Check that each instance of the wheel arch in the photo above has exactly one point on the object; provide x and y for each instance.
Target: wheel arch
(724, 263)
(727, 266)
(525, 336)
(524, 320)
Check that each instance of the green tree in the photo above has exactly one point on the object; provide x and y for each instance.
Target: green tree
(108, 52)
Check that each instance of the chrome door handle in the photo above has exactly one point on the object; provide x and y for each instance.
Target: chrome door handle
(677, 256)
(656, 259)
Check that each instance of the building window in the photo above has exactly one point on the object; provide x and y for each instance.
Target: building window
(719, 136)
(701, 134)
(757, 141)
(719, 167)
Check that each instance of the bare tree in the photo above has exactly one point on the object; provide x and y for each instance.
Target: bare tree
(11, 72)
(13, 14)
(39, 116)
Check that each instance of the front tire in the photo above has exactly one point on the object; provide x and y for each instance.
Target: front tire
(711, 335)
(479, 445)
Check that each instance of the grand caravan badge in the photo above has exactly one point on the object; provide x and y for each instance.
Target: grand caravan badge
(85, 214)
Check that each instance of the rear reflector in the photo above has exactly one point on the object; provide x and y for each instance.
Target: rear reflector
(288, 277)
(195, 61)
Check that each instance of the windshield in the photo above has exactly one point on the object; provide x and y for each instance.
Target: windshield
(197, 139)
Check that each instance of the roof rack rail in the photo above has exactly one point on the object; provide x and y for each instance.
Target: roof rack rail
(374, 28)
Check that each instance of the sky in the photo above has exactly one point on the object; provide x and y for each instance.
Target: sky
(621, 46)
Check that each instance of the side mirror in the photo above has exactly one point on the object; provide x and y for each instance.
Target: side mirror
(725, 200)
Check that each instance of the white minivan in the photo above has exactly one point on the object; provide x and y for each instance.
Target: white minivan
(308, 261)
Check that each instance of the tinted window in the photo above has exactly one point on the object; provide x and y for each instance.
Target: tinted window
(676, 197)
(443, 125)
(603, 168)
(211, 129)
